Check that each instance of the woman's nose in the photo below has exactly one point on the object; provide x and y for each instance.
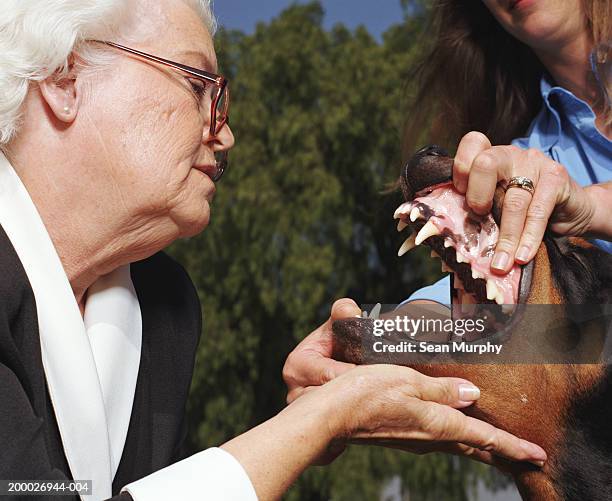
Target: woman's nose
(223, 140)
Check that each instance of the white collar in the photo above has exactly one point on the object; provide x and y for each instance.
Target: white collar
(91, 364)
(114, 326)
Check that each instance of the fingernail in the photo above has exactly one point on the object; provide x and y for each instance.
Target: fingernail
(523, 253)
(535, 452)
(500, 260)
(468, 392)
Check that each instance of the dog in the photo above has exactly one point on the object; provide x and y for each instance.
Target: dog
(564, 407)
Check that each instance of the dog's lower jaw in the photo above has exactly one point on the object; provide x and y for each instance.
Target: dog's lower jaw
(532, 482)
(522, 404)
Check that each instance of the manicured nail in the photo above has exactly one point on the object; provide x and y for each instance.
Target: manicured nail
(535, 452)
(523, 253)
(468, 392)
(500, 260)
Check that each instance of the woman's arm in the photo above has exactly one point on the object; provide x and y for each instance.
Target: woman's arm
(378, 403)
(278, 450)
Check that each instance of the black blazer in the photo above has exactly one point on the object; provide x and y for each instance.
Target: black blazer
(30, 443)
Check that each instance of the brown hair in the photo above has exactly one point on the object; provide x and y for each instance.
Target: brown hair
(476, 76)
(599, 18)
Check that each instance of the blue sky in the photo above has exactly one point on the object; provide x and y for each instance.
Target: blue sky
(376, 15)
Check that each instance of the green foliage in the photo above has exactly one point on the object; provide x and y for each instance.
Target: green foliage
(299, 220)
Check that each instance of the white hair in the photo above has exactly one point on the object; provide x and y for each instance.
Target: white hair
(37, 38)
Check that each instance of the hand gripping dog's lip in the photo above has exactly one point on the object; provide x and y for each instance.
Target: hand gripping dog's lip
(472, 238)
(439, 217)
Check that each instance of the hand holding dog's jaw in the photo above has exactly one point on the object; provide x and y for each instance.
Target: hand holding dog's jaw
(468, 241)
(557, 202)
(392, 405)
(311, 363)
(438, 215)
(402, 408)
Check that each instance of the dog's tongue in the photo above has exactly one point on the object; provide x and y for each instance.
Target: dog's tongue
(473, 237)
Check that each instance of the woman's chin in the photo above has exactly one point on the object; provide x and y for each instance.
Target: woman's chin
(194, 221)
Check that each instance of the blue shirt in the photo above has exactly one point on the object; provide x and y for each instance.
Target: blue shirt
(565, 130)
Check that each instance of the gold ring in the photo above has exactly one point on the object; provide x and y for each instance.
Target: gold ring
(524, 183)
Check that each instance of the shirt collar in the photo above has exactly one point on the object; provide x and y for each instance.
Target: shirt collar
(560, 102)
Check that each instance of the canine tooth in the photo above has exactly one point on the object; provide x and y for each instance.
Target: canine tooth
(447, 242)
(402, 209)
(429, 230)
(401, 225)
(459, 258)
(415, 213)
(492, 290)
(476, 275)
(499, 299)
(407, 245)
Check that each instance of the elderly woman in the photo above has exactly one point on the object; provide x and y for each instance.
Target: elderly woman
(113, 128)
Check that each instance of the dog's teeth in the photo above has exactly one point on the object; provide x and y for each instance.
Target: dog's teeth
(415, 213)
(401, 224)
(447, 242)
(407, 245)
(459, 258)
(429, 230)
(492, 290)
(499, 299)
(402, 209)
(476, 275)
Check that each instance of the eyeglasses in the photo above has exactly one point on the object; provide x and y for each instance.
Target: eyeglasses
(216, 96)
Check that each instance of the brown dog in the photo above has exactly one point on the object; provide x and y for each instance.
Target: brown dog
(565, 408)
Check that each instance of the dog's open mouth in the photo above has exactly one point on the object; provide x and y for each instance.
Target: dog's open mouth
(439, 217)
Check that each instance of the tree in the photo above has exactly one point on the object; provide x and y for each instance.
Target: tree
(299, 220)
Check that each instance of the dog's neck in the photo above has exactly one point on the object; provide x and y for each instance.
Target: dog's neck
(580, 463)
(578, 448)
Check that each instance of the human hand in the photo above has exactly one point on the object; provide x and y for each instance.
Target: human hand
(402, 408)
(557, 202)
(310, 363)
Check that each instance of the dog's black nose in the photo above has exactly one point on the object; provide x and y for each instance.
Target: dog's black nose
(429, 166)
